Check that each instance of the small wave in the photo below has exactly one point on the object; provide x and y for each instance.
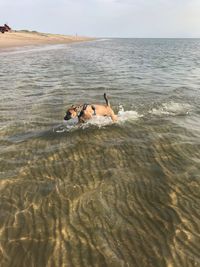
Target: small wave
(129, 115)
(66, 126)
(32, 48)
(171, 109)
(97, 121)
(102, 40)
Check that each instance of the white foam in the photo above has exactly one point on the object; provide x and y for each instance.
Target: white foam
(98, 121)
(102, 40)
(171, 109)
(129, 115)
(66, 126)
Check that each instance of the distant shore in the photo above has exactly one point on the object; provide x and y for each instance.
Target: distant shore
(25, 38)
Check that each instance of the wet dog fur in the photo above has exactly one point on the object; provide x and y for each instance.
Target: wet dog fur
(86, 112)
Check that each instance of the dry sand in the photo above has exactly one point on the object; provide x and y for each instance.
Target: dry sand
(24, 38)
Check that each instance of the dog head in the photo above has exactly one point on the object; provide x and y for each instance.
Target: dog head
(71, 113)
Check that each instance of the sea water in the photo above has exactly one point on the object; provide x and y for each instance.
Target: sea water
(102, 193)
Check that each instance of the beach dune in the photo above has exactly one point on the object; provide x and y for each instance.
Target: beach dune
(24, 38)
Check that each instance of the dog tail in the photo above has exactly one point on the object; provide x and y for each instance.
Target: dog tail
(107, 102)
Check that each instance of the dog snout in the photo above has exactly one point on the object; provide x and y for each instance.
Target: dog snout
(66, 118)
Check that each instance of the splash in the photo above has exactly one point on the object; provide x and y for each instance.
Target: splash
(171, 109)
(129, 115)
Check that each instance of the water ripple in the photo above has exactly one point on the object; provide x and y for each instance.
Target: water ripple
(102, 193)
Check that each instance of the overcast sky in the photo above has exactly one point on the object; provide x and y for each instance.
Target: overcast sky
(105, 18)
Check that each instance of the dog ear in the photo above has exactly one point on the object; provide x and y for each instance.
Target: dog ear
(77, 107)
(74, 107)
(85, 106)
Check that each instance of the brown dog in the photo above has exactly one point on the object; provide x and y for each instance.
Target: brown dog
(86, 111)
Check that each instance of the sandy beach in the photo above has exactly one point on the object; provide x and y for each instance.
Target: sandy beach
(24, 38)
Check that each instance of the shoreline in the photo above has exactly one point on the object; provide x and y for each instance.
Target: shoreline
(10, 40)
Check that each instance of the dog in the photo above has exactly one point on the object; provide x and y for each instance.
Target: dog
(86, 111)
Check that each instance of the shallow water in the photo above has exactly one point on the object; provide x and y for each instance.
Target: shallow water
(101, 194)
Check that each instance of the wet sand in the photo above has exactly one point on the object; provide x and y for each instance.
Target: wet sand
(24, 38)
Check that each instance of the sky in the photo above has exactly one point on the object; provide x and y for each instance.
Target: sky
(105, 18)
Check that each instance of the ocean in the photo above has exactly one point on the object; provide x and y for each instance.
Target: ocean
(123, 194)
